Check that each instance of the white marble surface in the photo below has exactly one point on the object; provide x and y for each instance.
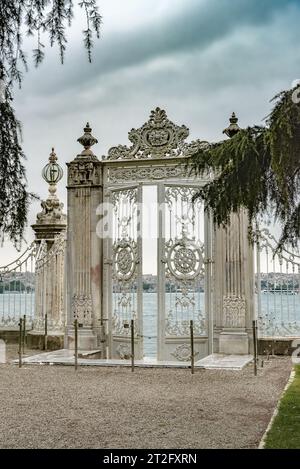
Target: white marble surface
(66, 357)
(227, 362)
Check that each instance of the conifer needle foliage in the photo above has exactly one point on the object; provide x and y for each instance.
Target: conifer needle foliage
(257, 169)
(37, 18)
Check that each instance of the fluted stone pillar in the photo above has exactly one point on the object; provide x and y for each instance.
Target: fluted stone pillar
(84, 247)
(50, 230)
(234, 277)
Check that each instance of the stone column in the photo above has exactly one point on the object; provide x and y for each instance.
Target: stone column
(84, 248)
(236, 281)
(50, 229)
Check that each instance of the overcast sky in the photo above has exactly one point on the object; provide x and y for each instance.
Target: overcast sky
(198, 59)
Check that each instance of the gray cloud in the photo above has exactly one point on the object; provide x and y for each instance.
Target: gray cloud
(195, 26)
(251, 56)
(199, 62)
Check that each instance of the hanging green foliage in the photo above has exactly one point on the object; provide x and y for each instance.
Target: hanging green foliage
(14, 198)
(258, 168)
(33, 18)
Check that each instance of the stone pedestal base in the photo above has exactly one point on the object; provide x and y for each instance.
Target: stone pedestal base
(87, 339)
(279, 346)
(234, 343)
(36, 340)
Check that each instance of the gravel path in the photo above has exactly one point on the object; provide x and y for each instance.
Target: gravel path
(53, 407)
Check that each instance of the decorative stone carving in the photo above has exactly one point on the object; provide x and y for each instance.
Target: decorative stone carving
(183, 352)
(189, 149)
(124, 352)
(86, 168)
(52, 325)
(87, 140)
(234, 311)
(82, 308)
(233, 128)
(51, 212)
(83, 172)
(116, 175)
(157, 138)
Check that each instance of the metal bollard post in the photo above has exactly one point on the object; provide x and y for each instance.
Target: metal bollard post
(76, 343)
(24, 334)
(254, 347)
(46, 333)
(256, 338)
(132, 345)
(192, 346)
(20, 342)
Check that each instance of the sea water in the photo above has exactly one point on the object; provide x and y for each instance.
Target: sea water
(280, 313)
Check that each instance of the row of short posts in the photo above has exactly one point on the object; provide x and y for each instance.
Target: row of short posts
(22, 342)
(126, 326)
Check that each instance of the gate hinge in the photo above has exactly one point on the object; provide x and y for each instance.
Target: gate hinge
(208, 261)
(107, 261)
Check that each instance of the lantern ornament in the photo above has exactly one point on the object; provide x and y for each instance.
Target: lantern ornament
(51, 214)
(52, 172)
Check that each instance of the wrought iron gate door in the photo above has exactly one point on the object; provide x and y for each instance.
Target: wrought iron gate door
(125, 272)
(183, 274)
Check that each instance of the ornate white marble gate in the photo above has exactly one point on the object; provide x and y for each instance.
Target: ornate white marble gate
(204, 273)
(184, 244)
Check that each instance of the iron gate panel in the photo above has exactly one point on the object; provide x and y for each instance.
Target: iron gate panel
(182, 274)
(124, 271)
(277, 288)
